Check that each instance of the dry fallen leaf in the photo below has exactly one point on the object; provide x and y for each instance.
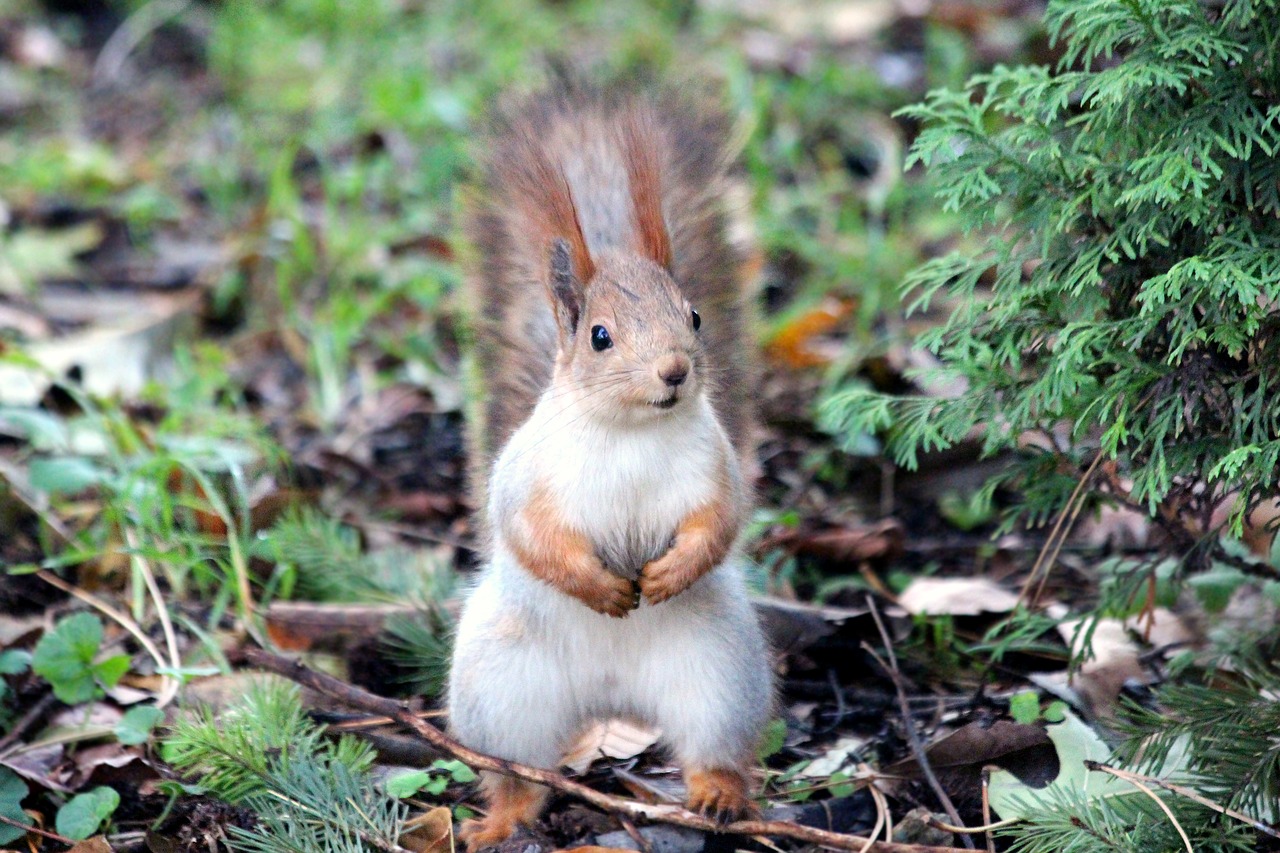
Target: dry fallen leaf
(431, 832)
(609, 739)
(1115, 657)
(796, 343)
(956, 597)
(1024, 750)
(97, 844)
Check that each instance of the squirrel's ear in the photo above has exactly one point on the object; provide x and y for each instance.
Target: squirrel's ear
(644, 177)
(567, 294)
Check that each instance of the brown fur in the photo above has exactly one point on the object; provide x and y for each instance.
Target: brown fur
(553, 552)
(606, 171)
(701, 542)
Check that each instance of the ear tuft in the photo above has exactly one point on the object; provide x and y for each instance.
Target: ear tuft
(566, 290)
(644, 177)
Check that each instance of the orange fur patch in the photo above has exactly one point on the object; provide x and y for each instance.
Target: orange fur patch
(644, 178)
(702, 541)
(510, 802)
(721, 793)
(549, 549)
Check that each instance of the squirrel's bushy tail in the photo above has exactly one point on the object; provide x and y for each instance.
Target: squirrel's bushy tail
(603, 169)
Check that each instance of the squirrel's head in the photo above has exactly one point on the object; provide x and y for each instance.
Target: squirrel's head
(629, 340)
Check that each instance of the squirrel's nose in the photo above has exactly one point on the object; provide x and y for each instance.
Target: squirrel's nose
(673, 369)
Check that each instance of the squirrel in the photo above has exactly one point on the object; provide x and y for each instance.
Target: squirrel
(610, 338)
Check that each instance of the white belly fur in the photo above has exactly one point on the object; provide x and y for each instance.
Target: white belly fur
(531, 664)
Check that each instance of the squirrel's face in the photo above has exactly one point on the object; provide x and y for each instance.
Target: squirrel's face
(636, 346)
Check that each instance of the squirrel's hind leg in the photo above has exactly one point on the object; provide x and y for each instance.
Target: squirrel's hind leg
(510, 802)
(720, 793)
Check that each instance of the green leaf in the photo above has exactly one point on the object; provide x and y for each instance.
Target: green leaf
(82, 816)
(1215, 587)
(14, 661)
(110, 670)
(1024, 707)
(839, 787)
(64, 657)
(65, 475)
(460, 772)
(1056, 712)
(136, 725)
(775, 736)
(409, 783)
(12, 792)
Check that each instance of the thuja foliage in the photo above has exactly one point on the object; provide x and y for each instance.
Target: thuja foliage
(1123, 273)
(309, 793)
(1118, 295)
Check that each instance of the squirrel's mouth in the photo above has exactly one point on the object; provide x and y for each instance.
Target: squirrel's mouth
(667, 403)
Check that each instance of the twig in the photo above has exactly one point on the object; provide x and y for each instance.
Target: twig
(171, 682)
(1182, 790)
(406, 715)
(115, 615)
(1058, 535)
(29, 719)
(1164, 807)
(131, 33)
(986, 809)
(882, 815)
(908, 722)
(37, 831)
(986, 827)
(629, 825)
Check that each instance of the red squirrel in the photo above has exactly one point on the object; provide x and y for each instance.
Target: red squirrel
(611, 340)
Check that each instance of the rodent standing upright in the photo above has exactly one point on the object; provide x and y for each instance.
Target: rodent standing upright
(609, 334)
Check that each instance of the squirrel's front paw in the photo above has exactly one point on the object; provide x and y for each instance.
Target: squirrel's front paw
(607, 593)
(666, 577)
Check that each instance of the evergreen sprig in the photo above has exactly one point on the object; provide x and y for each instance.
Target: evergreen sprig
(1125, 278)
(310, 793)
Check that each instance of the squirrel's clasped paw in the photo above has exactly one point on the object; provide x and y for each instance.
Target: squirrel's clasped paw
(665, 578)
(608, 593)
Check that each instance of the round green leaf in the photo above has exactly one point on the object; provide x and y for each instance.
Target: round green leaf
(64, 475)
(82, 816)
(1024, 707)
(14, 661)
(407, 784)
(136, 725)
(64, 657)
(12, 792)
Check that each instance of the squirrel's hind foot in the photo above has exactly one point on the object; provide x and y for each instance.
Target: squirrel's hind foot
(720, 794)
(511, 802)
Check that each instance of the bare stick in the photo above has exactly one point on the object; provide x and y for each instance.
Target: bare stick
(406, 715)
(908, 722)
(33, 715)
(115, 615)
(1058, 535)
(34, 830)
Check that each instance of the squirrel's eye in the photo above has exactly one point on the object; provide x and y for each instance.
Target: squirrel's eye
(600, 339)
(697, 321)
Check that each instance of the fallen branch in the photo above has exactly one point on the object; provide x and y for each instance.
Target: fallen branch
(406, 715)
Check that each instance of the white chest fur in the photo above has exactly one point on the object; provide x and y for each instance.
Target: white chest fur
(626, 487)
